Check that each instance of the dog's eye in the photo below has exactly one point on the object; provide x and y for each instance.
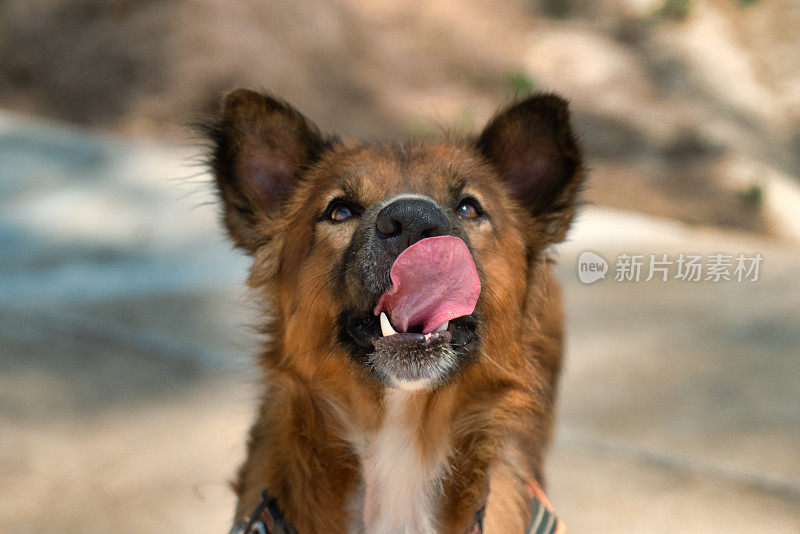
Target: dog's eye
(470, 208)
(340, 210)
(341, 213)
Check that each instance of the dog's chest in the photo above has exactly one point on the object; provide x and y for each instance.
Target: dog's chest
(401, 481)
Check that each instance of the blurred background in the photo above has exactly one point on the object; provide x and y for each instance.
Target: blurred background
(125, 332)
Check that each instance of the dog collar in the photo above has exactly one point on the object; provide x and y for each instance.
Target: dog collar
(267, 518)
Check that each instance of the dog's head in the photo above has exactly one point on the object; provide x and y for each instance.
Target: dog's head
(405, 260)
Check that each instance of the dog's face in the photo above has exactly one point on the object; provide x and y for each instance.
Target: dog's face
(327, 221)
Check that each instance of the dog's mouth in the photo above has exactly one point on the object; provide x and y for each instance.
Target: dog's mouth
(433, 281)
(423, 322)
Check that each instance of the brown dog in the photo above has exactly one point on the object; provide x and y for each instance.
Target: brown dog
(414, 326)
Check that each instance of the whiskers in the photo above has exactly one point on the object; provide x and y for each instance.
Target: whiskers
(492, 360)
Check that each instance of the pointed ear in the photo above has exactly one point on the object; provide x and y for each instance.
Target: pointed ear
(260, 146)
(532, 145)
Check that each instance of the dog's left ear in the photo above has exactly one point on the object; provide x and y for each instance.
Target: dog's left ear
(532, 145)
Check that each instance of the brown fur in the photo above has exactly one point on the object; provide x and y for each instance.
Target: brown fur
(491, 422)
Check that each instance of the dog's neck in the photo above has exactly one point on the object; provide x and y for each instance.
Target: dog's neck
(401, 477)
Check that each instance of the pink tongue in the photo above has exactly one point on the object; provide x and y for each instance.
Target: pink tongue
(434, 280)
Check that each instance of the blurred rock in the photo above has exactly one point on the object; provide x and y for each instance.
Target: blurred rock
(724, 73)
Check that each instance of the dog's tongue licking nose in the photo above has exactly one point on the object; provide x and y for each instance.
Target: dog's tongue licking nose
(434, 280)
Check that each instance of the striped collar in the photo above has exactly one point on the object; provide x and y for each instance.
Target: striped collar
(267, 518)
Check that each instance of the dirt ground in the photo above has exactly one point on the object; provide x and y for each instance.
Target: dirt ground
(684, 107)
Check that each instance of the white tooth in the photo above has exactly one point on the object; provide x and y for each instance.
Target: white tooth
(386, 326)
(443, 326)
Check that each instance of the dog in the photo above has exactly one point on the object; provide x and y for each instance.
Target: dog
(413, 323)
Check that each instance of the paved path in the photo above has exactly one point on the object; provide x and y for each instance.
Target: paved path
(125, 387)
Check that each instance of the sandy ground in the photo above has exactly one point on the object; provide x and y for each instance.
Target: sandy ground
(126, 388)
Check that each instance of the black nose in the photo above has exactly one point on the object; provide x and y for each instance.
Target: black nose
(404, 222)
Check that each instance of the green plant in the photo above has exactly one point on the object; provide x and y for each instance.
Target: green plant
(676, 10)
(753, 195)
(519, 83)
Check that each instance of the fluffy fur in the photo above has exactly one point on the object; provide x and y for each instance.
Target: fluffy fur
(340, 448)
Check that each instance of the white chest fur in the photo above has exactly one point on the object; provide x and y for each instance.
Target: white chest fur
(400, 481)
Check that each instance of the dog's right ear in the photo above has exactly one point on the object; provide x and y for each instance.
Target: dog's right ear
(260, 146)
